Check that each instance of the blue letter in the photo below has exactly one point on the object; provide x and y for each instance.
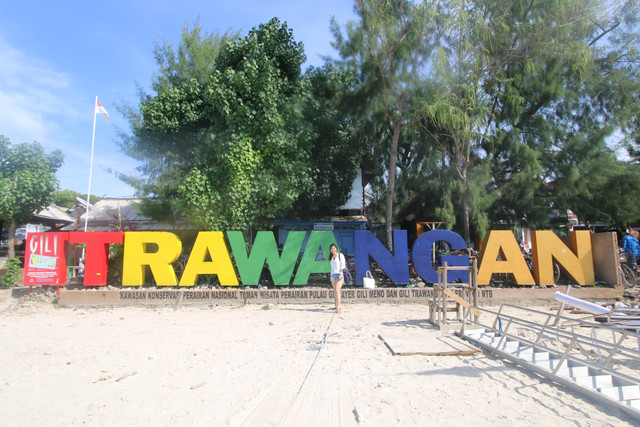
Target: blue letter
(421, 255)
(396, 266)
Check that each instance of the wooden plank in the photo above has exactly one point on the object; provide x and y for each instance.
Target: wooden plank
(462, 302)
(427, 343)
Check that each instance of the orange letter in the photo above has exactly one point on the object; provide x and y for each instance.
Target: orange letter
(136, 257)
(578, 265)
(503, 244)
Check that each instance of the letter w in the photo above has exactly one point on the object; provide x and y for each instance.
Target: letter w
(265, 249)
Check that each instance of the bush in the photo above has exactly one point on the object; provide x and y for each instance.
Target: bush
(13, 271)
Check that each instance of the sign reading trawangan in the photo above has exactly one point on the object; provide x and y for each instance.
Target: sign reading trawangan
(212, 254)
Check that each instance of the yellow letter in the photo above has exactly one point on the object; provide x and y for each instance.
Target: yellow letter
(503, 244)
(578, 265)
(220, 264)
(136, 257)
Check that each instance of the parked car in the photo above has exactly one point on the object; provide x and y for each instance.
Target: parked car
(20, 239)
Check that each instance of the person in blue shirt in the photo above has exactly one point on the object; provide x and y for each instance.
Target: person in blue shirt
(631, 245)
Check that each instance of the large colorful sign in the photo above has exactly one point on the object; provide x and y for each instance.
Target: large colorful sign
(157, 251)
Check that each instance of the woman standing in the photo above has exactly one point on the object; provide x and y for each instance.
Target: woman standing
(338, 264)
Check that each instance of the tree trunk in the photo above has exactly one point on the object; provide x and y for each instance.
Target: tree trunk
(465, 218)
(388, 227)
(11, 247)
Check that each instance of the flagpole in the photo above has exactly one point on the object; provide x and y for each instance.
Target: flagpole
(93, 138)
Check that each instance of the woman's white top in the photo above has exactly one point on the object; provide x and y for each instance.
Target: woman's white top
(338, 264)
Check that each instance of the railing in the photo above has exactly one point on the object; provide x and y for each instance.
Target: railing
(592, 349)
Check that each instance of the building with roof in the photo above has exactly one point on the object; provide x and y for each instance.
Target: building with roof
(352, 217)
(53, 217)
(111, 214)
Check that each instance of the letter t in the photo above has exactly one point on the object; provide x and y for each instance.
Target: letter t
(96, 258)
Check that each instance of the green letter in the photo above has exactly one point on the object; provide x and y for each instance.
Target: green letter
(308, 264)
(265, 249)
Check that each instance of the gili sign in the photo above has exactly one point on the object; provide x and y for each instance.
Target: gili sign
(213, 254)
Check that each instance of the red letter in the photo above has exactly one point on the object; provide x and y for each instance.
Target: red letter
(96, 257)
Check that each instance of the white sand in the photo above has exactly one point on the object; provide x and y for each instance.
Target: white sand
(247, 365)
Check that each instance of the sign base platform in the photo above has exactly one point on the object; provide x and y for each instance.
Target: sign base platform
(207, 296)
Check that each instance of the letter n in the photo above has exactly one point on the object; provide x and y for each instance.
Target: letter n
(577, 264)
(396, 265)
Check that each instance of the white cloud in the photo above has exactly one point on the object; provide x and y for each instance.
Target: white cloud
(32, 95)
(38, 102)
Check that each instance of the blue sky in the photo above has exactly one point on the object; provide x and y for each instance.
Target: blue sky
(56, 57)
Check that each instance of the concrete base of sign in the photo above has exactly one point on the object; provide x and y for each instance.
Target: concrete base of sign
(191, 296)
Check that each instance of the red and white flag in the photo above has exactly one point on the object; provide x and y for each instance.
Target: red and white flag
(101, 109)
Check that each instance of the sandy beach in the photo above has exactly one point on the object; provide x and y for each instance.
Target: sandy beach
(258, 365)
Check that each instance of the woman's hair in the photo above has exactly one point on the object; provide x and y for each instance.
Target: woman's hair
(330, 253)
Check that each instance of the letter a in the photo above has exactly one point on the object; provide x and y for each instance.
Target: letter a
(502, 244)
(211, 242)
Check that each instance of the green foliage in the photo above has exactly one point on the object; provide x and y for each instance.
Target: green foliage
(595, 185)
(68, 198)
(517, 110)
(550, 152)
(167, 129)
(193, 59)
(237, 146)
(27, 180)
(253, 166)
(272, 42)
(480, 112)
(12, 265)
(335, 149)
(389, 50)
